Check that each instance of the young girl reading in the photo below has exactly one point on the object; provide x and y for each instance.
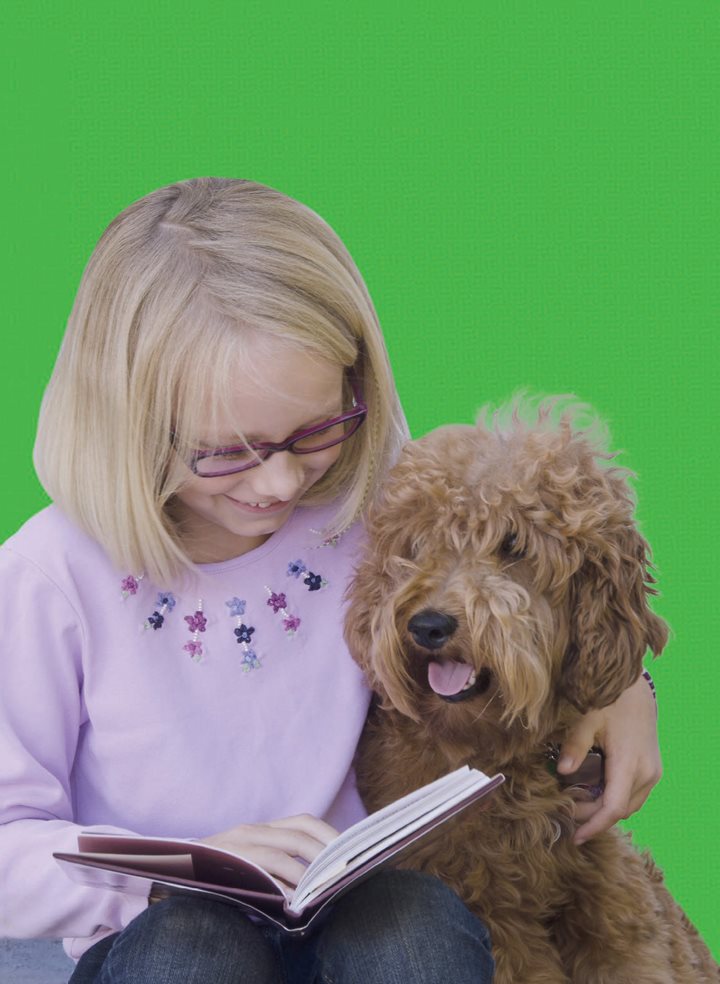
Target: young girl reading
(221, 410)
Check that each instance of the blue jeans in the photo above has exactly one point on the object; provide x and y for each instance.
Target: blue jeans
(396, 927)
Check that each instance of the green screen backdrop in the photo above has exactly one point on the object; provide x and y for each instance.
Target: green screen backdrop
(531, 191)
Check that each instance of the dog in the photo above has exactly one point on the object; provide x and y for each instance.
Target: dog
(504, 592)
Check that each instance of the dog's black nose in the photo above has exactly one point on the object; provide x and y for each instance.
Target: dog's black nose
(431, 629)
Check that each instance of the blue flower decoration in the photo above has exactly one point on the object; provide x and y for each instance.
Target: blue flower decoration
(165, 598)
(236, 606)
(244, 633)
(296, 568)
(249, 661)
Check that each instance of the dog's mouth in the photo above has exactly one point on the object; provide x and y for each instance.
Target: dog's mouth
(455, 681)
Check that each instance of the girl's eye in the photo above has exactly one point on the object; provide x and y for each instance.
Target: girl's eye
(216, 464)
(510, 547)
(320, 438)
(239, 454)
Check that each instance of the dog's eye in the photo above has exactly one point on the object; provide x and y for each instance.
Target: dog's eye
(510, 548)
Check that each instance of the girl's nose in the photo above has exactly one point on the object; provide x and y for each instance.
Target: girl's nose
(279, 477)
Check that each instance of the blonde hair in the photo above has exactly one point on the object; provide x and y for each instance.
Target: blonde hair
(176, 286)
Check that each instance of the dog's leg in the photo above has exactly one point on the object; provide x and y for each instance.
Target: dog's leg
(523, 950)
(511, 897)
(691, 959)
(618, 929)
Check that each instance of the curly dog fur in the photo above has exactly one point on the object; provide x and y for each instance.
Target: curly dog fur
(509, 550)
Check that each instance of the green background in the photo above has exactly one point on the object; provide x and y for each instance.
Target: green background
(531, 191)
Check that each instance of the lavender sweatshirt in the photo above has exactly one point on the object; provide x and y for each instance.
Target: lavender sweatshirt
(128, 706)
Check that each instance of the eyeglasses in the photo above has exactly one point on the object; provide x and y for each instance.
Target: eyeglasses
(239, 457)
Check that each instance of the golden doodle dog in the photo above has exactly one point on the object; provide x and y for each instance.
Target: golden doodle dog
(503, 593)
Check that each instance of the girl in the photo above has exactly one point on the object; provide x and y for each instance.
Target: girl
(221, 409)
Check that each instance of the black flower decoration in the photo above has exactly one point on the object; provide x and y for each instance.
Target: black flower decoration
(244, 632)
(156, 620)
(313, 581)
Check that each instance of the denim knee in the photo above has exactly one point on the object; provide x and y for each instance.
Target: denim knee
(401, 926)
(194, 941)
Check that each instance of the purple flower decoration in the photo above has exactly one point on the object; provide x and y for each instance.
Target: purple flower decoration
(196, 622)
(194, 649)
(166, 599)
(277, 602)
(155, 620)
(236, 606)
(296, 568)
(244, 632)
(129, 586)
(313, 581)
(291, 624)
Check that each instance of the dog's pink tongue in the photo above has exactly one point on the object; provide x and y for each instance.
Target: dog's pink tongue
(448, 678)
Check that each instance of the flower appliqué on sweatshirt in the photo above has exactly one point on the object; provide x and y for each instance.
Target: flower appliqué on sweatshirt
(278, 603)
(196, 624)
(299, 570)
(163, 606)
(130, 585)
(243, 635)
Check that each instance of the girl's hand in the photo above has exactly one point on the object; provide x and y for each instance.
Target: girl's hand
(277, 845)
(627, 733)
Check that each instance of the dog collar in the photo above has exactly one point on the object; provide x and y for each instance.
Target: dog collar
(589, 778)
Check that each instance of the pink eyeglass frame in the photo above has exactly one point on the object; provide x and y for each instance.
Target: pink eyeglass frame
(265, 448)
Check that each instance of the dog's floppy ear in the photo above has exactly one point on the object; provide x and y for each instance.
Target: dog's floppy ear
(360, 596)
(611, 625)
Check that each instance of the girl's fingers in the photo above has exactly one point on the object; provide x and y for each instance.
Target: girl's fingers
(282, 847)
(257, 837)
(619, 801)
(577, 742)
(285, 868)
(585, 810)
(627, 730)
(310, 825)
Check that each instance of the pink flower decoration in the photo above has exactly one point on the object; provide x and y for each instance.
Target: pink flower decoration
(194, 649)
(196, 622)
(277, 602)
(129, 585)
(291, 623)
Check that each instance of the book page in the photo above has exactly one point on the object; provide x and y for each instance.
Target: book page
(392, 817)
(382, 828)
(346, 865)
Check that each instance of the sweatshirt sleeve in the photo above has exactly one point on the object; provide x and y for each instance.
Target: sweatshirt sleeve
(41, 718)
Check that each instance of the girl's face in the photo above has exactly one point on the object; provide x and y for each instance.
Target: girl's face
(220, 518)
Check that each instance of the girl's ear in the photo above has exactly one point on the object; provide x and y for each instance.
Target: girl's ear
(611, 625)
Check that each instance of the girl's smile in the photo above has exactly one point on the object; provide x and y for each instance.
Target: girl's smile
(260, 507)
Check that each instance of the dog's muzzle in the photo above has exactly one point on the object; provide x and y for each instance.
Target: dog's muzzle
(452, 680)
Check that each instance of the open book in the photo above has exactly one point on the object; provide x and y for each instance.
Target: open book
(136, 864)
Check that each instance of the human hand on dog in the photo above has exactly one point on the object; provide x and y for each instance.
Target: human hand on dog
(279, 846)
(627, 733)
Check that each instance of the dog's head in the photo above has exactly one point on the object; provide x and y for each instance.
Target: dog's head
(504, 575)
